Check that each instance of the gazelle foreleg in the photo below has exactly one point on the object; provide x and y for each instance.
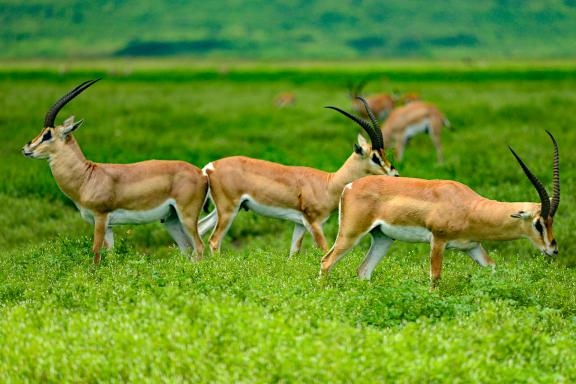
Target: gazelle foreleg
(100, 223)
(401, 142)
(437, 247)
(297, 236)
(435, 137)
(380, 245)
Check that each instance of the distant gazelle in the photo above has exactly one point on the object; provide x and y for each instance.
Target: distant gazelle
(413, 118)
(444, 213)
(285, 99)
(110, 194)
(305, 196)
(379, 103)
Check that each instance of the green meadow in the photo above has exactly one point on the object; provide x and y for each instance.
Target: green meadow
(248, 314)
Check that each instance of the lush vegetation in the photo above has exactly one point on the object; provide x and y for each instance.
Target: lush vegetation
(249, 314)
(456, 29)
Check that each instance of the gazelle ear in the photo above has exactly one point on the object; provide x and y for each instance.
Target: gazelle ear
(70, 126)
(522, 215)
(362, 141)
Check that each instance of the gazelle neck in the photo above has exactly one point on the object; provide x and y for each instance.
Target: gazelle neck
(348, 172)
(70, 168)
(495, 217)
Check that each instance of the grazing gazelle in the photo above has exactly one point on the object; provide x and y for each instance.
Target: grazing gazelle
(285, 99)
(379, 103)
(305, 196)
(413, 118)
(111, 194)
(444, 213)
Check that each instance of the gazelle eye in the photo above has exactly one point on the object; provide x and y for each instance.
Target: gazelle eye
(47, 136)
(376, 160)
(539, 228)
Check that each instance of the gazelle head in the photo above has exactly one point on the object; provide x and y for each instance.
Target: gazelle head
(52, 137)
(541, 219)
(370, 158)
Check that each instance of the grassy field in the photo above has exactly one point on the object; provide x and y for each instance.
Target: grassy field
(249, 315)
(456, 29)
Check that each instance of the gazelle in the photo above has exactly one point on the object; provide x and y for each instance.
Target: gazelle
(285, 99)
(379, 103)
(305, 196)
(413, 118)
(112, 194)
(444, 213)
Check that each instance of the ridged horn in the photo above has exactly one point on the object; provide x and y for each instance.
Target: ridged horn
(544, 199)
(375, 125)
(53, 111)
(361, 122)
(555, 178)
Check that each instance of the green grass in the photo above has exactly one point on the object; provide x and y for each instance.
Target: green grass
(250, 315)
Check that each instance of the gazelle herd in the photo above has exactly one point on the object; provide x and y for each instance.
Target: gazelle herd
(444, 213)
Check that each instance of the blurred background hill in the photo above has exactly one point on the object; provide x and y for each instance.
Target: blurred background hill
(289, 29)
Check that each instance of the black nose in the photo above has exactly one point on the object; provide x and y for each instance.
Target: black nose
(30, 142)
(555, 252)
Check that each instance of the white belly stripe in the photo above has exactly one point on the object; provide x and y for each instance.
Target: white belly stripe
(124, 216)
(276, 212)
(414, 129)
(418, 235)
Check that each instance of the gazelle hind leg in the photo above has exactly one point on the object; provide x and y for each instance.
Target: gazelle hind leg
(177, 232)
(188, 216)
(380, 245)
(297, 236)
(479, 255)
(226, 216)
(208, 222)
(109, 238)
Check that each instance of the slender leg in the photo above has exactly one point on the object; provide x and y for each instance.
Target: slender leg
(177, 232)
(401, 142)
(190, 223)
(437, 247)
(479, 255)
(297, 236)
(435, 136)
(340, 248)
(225, 219)
(100, 221)
(208, 222)
(109, 238)
(318, 235)
(380, 245)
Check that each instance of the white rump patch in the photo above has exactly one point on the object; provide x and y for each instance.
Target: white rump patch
(207, 167)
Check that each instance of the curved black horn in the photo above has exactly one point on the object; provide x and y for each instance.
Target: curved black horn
(375, 125)
(361, 122)
(544, 199)
(555, 179)
(53, 111)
